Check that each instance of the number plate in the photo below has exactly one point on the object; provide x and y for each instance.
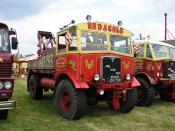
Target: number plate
(112, 80)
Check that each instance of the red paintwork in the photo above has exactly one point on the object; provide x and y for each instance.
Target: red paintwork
(65, 101)
(80, 68)
(8, 94)
(135, 83)
(46, 82)
(116, 103)
(6, 70)
(173, 93)
(149, 68)
(80, 74)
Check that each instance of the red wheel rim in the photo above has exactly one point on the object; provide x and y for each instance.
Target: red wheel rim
(140, 93)
(65, 101)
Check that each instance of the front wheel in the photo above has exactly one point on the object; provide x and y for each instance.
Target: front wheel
(146, 93)
(130, 102)
(70, 103)
(3, 114)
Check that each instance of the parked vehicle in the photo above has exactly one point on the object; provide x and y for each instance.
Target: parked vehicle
(6, 60)
(89, 62)
(155, 70)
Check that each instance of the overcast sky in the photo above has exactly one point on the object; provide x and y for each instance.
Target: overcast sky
(138, 16)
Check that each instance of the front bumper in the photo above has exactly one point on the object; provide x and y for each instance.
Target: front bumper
(6, 105)
(120, 85)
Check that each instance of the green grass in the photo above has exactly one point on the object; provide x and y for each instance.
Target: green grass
(31, 115)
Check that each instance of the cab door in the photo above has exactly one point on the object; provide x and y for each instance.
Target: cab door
(61, 53)
(139, 58)
(148, 60)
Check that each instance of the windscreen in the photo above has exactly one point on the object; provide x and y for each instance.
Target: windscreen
(120, 44)
(171, 52)
(160, 51)
(96, 41)
(93, 41)
(4, 41)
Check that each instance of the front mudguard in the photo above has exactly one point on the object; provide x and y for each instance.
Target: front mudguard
(147, 77)
(135, 82)
(78, 84)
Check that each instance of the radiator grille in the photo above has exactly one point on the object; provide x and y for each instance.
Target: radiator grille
(5, 69)
(111, 67)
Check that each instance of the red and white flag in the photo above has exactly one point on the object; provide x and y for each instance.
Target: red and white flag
(68, 37)
(137, 48)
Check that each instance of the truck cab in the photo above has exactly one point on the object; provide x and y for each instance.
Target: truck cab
(90, 62)
(155, 70)
(6, 60)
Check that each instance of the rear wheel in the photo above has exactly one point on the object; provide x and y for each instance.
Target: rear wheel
(130, 102)
(70, 103)
(3, 114)
(146, 93)
(35, 90)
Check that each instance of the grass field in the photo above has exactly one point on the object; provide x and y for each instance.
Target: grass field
(31, 115)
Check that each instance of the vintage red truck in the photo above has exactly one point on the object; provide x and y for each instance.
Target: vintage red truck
(155, 70)
(6, 60)
(89, 62)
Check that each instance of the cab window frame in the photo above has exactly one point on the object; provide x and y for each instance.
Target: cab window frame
(147, 46)
(142, 49)
(74, 44)
(64, 48)
(97, 47)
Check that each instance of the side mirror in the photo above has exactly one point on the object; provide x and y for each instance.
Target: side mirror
(14, 43)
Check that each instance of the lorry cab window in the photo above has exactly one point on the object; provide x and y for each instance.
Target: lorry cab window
(93, 41)
(160, 51)
(148, 52)
(61, 43)
(120, 44)
(4, 41)
(171, 52)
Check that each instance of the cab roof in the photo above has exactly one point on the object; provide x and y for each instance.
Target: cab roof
(2, 25)
(101, 27)
(153, 42)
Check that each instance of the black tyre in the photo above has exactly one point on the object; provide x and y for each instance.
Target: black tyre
(130, 102)
(70, 103)
(35, 90)
(92, 100)
(3, 114)
(165, 94)
(146, 93)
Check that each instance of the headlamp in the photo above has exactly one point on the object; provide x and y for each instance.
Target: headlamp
(128, 77)
(7, 84)
(96, 77)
